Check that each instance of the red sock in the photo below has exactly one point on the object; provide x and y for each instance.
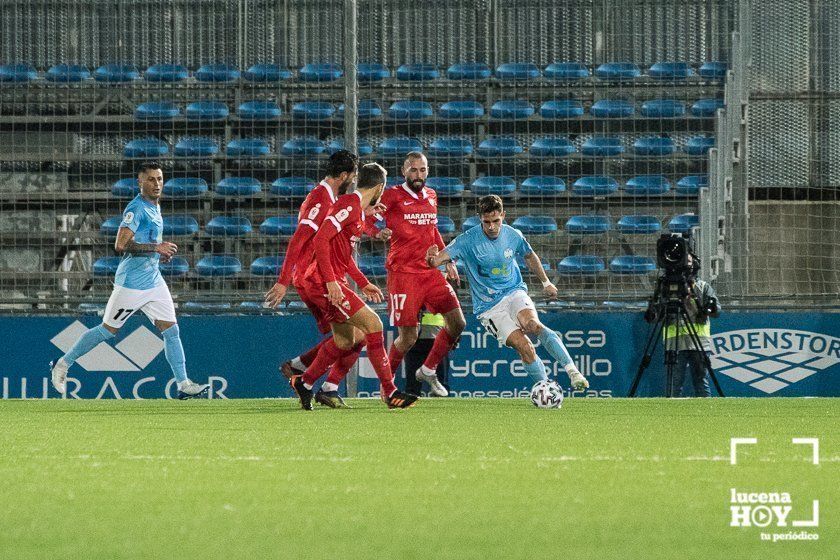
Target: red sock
(340, 368)
(443, 344)
(309, 356)
(395, 358)
(327, 354)
(376, 354)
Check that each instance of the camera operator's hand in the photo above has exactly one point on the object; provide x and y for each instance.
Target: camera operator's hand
(650, 314)
(711, 306)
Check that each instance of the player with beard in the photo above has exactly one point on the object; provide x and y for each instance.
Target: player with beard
(325, 291)
(340, 174)
(411, 214)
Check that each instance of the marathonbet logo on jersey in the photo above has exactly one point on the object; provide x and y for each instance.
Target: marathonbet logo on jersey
(771, 359)
(132, 353)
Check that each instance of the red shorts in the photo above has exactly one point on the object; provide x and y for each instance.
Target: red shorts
(314, 295)
(409, 292)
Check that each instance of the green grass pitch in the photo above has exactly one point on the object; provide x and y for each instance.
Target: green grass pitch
(483, 478)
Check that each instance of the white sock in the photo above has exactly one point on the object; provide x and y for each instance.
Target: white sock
(308, 386)
(182, 383)
(427, 371)
(297, 364)
(327, 387)
(571, 368)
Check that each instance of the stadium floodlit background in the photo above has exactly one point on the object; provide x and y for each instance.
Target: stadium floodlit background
(601, 124)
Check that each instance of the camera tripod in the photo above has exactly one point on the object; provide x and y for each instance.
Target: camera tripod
(670, 311)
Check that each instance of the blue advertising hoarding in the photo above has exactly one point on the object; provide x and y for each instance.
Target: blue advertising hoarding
(755, 354)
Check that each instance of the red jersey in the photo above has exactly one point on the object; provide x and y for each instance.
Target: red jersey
(332, 247)
(314, 209)
(412, 217)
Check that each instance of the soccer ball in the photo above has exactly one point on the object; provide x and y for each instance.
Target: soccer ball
(547, 394)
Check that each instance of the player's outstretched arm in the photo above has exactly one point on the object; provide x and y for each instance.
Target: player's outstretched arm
(125, 243)
(435, 257)
(536, 268)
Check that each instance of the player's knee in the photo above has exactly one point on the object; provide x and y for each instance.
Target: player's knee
(532, 326)
(110, 329)
(456, 325)
(408, 336)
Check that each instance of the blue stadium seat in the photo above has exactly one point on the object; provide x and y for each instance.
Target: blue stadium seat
(535, 225)
(417, 72)
(126, 188)
(470, 222)
(207, 111)
(517, 71)
(632, 264)
(196, 146)
(647, 185)
(157, 111)
(706, 107)
(602, 146)
(588, 224)
(67, 73)
(106, 266)
(166, 73)
(551, 147)
(523, 266)
(110, 226)
(639, 224)
(502, 186)
(372, 72)
(450, 147)
(267, 266)
(292, 186)
(445, 225)
(699, 145)
(499, 146)
(248, 147)
(670, 71)
(714, 70)
(185, 187)
(259, 111)
(178, 266)
(461, 110)
(218, 265)
(511, 109)
(205, 306)
(663, 108)
(576, 265)
(267, 73)
(542, 185)
(304, 146)
(238, 186)
(690, 185)
(115, 73)
(366, 109)
(468, 71)
(228, 226)
(180, 225)
(654, 146)
(363, 148)
(595, 185)
(567, 71)
(617, 71)
(312, 110)
(279, 225)
(217, 73)
(372, 266)
(17, 73)
(446, 186)
(145, 148)
(321, 72)
(683, 223)
(410, 110)
(398, 146)
(561, 109)
(611, 109)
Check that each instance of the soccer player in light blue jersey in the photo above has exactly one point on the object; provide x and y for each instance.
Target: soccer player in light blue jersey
(500, 296)
(138, 286)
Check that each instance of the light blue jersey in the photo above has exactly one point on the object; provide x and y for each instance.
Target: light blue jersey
(139, 271)
(491, 264)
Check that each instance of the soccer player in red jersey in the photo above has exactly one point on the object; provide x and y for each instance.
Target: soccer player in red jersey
(411, 215)
(341, 172)
(325, 291)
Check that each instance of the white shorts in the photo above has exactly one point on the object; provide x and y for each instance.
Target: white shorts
(156, 303)
(501, 319)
